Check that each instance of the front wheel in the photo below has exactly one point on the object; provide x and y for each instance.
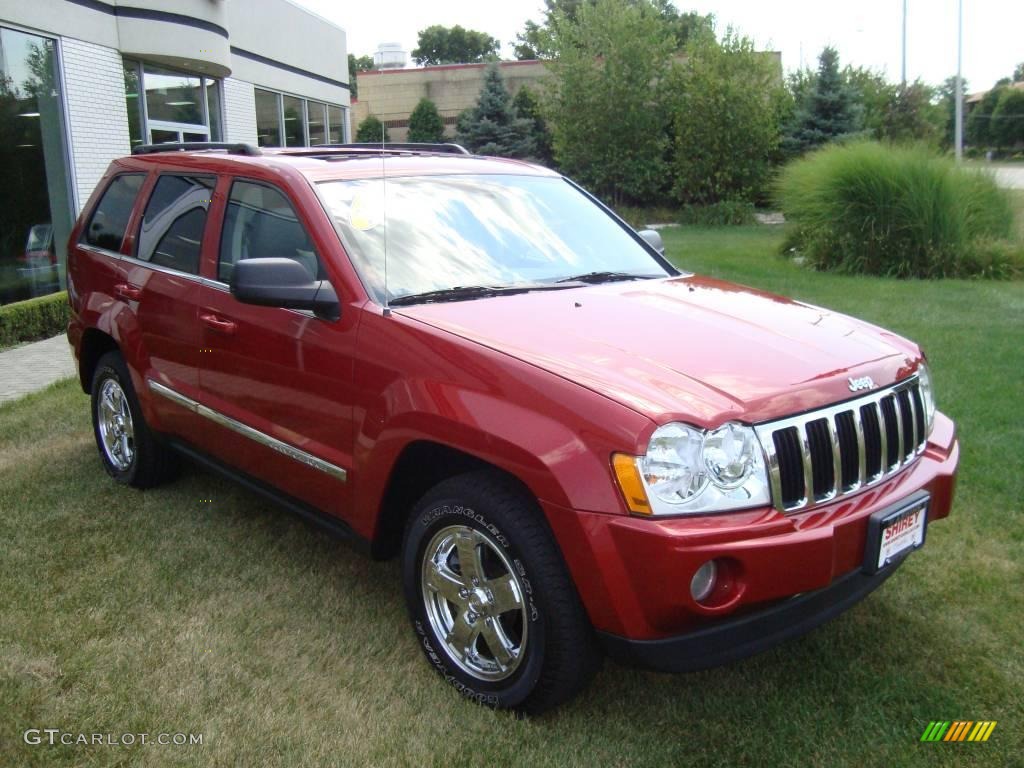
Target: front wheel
(490, 599)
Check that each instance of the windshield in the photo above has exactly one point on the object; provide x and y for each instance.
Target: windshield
(447, 232)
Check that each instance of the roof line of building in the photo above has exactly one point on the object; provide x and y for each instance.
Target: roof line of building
(439, 67)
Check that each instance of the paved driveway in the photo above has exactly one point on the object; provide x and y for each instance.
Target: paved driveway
(32, 367)
(1011, 177)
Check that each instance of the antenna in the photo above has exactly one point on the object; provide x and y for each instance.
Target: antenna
(384, 214)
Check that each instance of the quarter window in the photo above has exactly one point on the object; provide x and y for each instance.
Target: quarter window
(172, 229)
(261, 223)
(110, 219)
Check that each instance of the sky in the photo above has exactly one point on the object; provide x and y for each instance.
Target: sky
(866, 32)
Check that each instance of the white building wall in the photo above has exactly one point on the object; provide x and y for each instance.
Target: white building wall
(97, 115)
(239, 111)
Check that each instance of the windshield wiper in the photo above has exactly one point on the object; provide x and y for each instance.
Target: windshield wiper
(466, 292)
(605, 277)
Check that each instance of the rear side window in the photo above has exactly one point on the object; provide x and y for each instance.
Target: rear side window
(261, 223)
(172, 228)
(110, 219)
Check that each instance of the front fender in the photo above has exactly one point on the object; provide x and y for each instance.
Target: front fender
(552, 434)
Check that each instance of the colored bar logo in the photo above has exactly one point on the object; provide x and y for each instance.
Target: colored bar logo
(958, 730)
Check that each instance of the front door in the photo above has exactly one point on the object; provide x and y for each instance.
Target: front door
(276, 383)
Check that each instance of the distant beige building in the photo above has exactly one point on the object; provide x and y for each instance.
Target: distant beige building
(392, 95)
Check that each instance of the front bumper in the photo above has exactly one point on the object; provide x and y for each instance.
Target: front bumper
(731, 640)
(786, 573)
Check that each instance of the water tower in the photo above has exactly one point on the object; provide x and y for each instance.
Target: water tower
(389, 56)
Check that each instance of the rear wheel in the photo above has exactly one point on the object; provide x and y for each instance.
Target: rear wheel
(130, 452)
(490, 598)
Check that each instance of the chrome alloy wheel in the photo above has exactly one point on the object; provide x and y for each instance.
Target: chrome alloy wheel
(474, 601)
(117, 430)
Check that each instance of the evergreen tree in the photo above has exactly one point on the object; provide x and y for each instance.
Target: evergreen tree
(829, 112)
(492, 126)
(425, 123)
(527, 107)
(372, 131)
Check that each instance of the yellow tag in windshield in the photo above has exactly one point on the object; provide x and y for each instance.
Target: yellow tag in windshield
(366, 209)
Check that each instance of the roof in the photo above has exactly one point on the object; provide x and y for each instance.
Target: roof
(974, 98)
(335, 164)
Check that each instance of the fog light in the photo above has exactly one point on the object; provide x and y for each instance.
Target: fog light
(703, 582)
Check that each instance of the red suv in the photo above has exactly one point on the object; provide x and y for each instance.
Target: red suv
(474, 365)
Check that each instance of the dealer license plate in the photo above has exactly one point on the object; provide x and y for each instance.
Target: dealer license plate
(902, 531)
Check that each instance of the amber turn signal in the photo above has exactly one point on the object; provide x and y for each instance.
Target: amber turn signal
(630, 483)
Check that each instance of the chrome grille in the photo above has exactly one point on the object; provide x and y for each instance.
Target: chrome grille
(836, 451)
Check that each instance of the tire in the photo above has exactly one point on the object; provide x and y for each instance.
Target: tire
(524, 602)
(129, 450)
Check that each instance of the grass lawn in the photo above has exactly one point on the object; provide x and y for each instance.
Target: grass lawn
(200, 608)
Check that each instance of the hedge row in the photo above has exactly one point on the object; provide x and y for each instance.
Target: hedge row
(34, 319)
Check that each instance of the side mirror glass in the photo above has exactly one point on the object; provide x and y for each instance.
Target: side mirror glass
(283, 283)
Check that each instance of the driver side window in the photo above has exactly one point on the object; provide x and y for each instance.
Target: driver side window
(261, 223)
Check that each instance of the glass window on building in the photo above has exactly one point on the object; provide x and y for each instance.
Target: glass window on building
(317, 113)
(165, 105)
(213, 110)
(268, 118)
(294, 122)
(35, 194)
(290, 121)
(131, 97)
(336, 122)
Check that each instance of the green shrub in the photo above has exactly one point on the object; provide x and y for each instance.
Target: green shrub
(372, 131)
(37, 318)
(877, 209)
(727, 213)
(425, 123)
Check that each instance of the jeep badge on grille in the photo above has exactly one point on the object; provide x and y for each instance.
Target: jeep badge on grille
(864, 382)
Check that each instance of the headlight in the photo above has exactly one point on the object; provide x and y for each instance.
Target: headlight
(690, 471)
(924, 381)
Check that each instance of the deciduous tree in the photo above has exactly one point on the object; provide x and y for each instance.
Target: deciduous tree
(357, 64)
(1007, 121)
(454, 45)
(605, 100)
(725, 101)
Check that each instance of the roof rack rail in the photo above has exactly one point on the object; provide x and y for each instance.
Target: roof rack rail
(193, 146)
(392, 146)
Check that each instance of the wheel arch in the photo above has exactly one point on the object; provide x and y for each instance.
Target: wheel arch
(95, 344)
(420, 466)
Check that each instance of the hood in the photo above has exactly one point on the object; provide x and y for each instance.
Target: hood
(689, 348)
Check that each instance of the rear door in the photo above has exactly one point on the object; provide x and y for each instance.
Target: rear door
(277, 383)
(160, 282)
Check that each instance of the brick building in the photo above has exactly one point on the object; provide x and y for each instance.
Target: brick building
(392, 94)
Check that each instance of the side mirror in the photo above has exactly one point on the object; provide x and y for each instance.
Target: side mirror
(283, 283)
(653, 238)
